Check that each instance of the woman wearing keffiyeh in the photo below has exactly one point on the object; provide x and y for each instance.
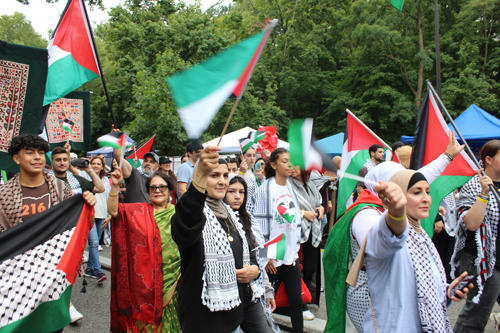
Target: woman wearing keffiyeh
(219, 272)
(406, 278)
(477, 246)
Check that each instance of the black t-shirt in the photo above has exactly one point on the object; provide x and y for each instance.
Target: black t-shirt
(136, 188)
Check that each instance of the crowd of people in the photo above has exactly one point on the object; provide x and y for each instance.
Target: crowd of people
(183, 243)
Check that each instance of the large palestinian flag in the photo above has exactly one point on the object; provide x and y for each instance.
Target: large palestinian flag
(200, 91)
(303, 152)
(39, 262)
(430, 141)
(72, 56)
(357, 140)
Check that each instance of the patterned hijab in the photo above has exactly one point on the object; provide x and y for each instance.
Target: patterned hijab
(433, 315)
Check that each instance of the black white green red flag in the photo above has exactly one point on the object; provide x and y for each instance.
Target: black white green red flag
(274, 249)
(39, 263)
(357, 140)
(72, 56)
(430, 140)
(303, 152)
(114, 139)
(199, 92)
(146, 147)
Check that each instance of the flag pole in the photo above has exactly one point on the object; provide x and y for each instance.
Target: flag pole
(368, 129)
(467, 148)
(99, 64)
(228, 120)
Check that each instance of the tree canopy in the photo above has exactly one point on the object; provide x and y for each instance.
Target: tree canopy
(323, 57)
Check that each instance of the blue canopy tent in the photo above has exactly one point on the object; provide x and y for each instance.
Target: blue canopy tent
(476, 125)
(331, 145)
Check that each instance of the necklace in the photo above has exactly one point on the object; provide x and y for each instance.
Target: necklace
(228, 230)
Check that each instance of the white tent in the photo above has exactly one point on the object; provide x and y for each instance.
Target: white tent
(231, 145)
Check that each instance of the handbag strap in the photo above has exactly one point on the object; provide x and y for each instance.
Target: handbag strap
(373, 315)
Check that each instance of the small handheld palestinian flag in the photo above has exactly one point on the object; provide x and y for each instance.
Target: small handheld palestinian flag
(252, 138)
(68, 125)
(39, 263)
(274, 249)
(114, 140)
(303, 152)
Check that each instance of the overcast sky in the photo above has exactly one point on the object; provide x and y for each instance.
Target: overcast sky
(44, 16)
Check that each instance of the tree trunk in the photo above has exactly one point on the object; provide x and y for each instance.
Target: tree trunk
(420, 83)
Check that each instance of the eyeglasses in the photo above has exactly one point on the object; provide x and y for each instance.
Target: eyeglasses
(162, 188)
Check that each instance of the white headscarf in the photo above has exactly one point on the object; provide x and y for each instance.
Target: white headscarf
(383, 172)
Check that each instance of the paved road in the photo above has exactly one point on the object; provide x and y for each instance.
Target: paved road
(94, 305)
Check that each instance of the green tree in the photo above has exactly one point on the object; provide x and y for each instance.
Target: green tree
(17, 29)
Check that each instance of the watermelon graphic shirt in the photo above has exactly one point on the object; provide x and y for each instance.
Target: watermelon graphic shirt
(286, 220)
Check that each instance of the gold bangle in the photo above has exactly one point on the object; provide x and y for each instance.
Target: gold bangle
(241, 173)
(198, 185)
(482, 200)
(115, 195)
(397, 218)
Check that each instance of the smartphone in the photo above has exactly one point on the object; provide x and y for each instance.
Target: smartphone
(257, 165)
(462, 284)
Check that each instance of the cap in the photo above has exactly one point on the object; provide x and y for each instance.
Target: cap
(165, 160)
(73, 155)
(153, 155)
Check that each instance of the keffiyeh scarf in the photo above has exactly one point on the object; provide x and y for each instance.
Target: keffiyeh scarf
(72, 181)
(485, 236)
(432, 311)
(220, 288)
(433, 315)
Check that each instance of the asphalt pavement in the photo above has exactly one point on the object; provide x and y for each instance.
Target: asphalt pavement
(94, 305)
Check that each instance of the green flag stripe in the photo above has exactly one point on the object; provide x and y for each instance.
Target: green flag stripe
(398, 4)
(295, 139)
(199, 81)
(58, 85)
(281, 248)
(346, 185)
(47, 317)
(440, 188)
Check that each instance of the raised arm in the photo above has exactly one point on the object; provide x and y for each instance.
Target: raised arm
(116, 179)
(126, 167)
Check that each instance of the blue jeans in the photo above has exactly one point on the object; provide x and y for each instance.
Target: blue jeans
(94, 236)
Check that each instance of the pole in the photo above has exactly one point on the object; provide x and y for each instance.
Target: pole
(467, 148)
(228, 120)
(99, 65)
(368, 129)
(438, 53)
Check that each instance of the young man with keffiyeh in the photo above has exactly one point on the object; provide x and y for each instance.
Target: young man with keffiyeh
(32, 191)
(477, 243)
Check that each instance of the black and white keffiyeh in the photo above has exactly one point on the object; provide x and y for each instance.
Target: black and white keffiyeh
(220, 288)
(72, 181)
(433, 315)
(485, 236)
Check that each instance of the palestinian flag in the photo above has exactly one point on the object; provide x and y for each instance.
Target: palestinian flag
(39, 263)
(256, 136)
(274, 249)
(303, 152)
(245, 143)
(113, 139)
(430, 141)
(357, 140)
(72, 54)
(68, 125)
(283, 211)
(148, 146)
(200, 91)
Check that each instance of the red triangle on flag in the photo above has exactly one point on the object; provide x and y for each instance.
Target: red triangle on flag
(359, 138)
(145, 148)
(436, 142)
(73, 35)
